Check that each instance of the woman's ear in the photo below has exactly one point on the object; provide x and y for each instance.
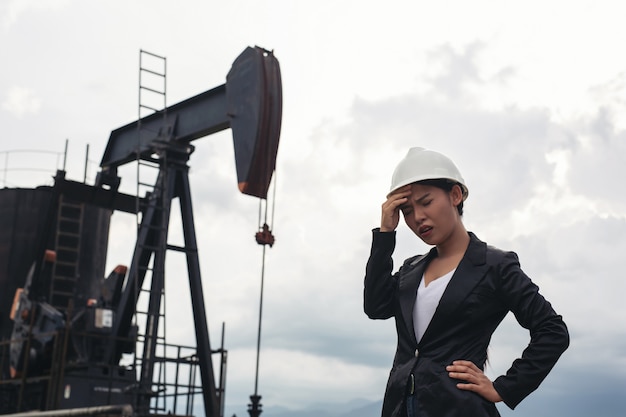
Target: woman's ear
(456, 194)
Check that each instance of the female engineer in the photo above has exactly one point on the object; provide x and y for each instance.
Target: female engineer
(448, 302)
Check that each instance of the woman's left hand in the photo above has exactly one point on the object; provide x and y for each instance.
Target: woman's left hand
(475, 380)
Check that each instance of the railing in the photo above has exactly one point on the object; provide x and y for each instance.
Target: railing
(179, 394)
(25, 166)
(34, 167)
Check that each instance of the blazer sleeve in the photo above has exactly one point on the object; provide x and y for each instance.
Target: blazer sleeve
(380, 285)
(549, 337)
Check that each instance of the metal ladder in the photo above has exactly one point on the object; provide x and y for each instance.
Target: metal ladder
(152, 99)
(65, 271)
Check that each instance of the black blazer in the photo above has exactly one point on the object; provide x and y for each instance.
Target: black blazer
(487, 284)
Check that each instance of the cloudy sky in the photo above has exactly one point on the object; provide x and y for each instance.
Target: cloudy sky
(527, 97)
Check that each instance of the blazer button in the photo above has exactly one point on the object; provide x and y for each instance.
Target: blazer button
(417, 353)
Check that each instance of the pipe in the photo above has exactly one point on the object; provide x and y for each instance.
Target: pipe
(86, 164)
(124, 410)
(65, 154)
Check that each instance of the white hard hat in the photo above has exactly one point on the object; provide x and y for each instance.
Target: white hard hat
(421, 164)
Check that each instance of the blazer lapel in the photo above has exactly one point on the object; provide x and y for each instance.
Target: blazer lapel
(470, 271)
(408, 289)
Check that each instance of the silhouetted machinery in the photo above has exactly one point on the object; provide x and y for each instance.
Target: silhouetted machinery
(66, 328)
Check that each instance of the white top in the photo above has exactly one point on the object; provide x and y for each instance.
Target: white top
(426, 302)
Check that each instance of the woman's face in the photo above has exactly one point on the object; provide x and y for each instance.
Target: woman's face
(431, 212)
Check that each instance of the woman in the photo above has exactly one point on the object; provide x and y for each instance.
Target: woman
(448, 302)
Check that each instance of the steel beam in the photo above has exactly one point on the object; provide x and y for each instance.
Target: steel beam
(211, 402)
(188, 120)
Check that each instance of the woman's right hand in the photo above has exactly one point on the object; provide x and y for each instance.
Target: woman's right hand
(391, 208)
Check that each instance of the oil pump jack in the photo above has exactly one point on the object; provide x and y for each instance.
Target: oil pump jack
(68, 328)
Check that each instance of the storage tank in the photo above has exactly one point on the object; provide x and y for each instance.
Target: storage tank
(33, 220)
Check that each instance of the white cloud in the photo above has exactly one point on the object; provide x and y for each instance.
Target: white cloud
(12, 10)
(310, 378)
(21, 101)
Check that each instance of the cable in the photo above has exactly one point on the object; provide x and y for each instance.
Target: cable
(264, 237)
(258, 340)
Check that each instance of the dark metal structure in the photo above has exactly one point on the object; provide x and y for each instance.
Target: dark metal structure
(68, 329)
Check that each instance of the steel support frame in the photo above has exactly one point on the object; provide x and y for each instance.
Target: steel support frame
(173, 181)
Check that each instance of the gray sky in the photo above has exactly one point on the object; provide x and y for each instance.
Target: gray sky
(527, 98)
